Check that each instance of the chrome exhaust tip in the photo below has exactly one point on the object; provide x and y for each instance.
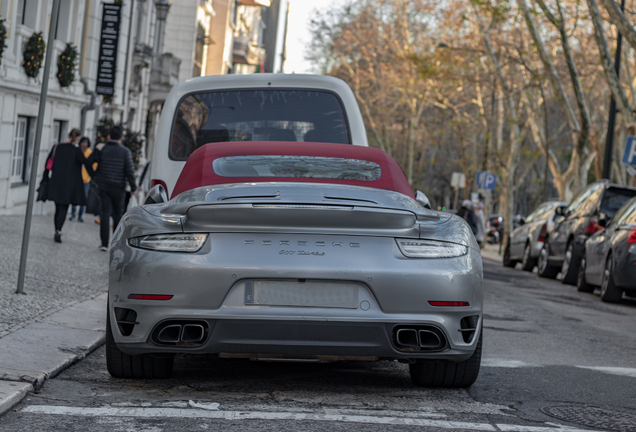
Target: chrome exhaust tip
(407, 337)
(429, 339)
(170, 334)
(192, 333)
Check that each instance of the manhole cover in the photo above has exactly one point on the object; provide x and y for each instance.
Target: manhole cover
(593, 417)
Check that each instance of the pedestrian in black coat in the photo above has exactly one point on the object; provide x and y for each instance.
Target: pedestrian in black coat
(66, 186)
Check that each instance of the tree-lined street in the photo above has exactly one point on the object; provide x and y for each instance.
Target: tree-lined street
(546, 346)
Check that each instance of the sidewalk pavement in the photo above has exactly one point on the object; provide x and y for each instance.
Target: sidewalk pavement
(62, 316)
(491, 252)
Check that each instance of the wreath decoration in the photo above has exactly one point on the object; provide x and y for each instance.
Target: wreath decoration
(3, 37)
(33, 55)
(66, 65)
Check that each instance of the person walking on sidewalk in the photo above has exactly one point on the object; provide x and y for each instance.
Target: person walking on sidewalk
(66, 186)
(115, 168)
(85, 146)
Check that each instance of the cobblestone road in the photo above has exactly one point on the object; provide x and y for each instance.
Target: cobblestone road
(58, 275)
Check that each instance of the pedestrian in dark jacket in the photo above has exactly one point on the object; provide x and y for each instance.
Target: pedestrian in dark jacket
(114, 169)
(467, 213)
(66, 186)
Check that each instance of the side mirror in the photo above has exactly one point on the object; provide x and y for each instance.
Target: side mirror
(559, 211)
(603, 220)
(522, 221)
(156, 195)
(421, 198)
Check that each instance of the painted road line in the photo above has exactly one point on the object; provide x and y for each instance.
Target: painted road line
(628, 372)
(244, 415)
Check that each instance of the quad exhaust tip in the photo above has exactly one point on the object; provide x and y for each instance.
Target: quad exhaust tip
(181, 333)
(414, 338)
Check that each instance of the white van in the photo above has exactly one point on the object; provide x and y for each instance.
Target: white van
(257, 107)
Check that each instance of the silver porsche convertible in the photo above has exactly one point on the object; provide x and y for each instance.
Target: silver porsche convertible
(275, 251)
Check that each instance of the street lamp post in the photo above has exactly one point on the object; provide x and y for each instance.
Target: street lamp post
(611, 123)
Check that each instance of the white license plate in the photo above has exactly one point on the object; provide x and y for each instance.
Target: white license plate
(304, 294)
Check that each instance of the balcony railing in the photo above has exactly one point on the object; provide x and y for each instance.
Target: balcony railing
(245, 52)
(266, 3)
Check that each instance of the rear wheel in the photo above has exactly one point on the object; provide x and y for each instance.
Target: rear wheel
(610, 293)
(543, 265)
(569, 269)
(445, 373)
(121, 365)
(581, 281)
(507, 262)
(528, 263)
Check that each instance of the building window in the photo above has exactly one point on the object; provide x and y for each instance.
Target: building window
(57, 132)
(198, 51)
(22, 151)
(27, 12)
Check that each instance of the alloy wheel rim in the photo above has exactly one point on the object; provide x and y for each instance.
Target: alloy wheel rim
(543, 259)
(526, 255)
(606, 276)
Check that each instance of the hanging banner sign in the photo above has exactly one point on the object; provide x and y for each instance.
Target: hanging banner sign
(107, 64)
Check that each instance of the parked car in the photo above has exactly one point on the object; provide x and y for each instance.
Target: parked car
(256, 107)
(588, 212)
(609, 258)
(275, 250)
(527, 239)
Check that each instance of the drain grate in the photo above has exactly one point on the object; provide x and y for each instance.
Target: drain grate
(594, 417)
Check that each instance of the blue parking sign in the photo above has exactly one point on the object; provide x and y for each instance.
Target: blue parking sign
(629, 157)
(486, 180)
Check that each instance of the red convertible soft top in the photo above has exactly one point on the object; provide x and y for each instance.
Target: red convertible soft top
(198, 170)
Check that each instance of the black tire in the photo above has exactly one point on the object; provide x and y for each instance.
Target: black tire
(545, 269)
(445, 373)
(610, 293)
(581, 280)
(507, 262)
(143, 366)
(527, 263)
(570, 267)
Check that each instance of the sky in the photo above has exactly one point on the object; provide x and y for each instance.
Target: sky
(298, 37)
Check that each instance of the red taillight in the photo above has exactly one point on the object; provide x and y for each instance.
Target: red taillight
(155, 182)
(544, 232)
(149, 297)
(592, 227)
(448, 303)
(631, 238)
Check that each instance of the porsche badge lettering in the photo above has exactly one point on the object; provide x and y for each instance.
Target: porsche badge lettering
(301, 253)
(301, 243)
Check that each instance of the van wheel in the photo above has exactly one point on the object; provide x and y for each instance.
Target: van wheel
(121, 365)
(610, 293)
(445, 373)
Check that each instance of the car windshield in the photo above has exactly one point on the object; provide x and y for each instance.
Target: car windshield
(614, 198)
(257, 115)
(297, 167)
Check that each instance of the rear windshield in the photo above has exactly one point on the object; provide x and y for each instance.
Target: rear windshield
(614, 198)
(297, 167)
(257, 115)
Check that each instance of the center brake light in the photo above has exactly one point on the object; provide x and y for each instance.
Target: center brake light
(631, 238)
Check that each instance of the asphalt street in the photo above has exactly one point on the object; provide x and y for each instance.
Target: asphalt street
(554, 360)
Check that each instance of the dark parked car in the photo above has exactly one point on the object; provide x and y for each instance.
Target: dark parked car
(609, 259)
(526, 240)
(588, 213)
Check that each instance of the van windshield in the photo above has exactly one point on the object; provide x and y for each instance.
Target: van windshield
(257, 115)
